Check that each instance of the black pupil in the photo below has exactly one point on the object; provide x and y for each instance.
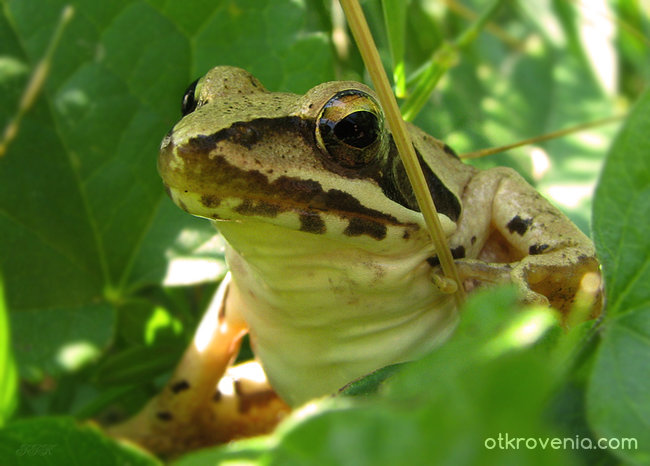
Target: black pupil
(188, 105)
(358, 129)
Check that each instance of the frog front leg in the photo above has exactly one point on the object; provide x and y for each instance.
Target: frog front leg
(206, 402)
(515, 234)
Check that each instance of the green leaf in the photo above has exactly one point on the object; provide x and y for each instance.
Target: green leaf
(247, 33)
(632, 41)
(79, 192)
(395, 18)
(54, 341)
(137, 364)
(8, 378)
(245, 452)
(48, 441)
(621, 225)
(622, 214)
(617, 397)
(371, 383)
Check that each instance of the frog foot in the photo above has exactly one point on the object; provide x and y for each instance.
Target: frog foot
(206, 402)
(476, 274)
(562, 283)
(538, 279)
(242, 405)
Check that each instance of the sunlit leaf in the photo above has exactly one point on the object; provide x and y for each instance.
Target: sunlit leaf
(621, 225)
(8, 376)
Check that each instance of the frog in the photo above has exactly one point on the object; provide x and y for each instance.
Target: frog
(331, 265)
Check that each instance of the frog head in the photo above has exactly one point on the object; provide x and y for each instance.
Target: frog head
(323, 163)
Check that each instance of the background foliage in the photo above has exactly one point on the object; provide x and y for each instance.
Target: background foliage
(95, 257)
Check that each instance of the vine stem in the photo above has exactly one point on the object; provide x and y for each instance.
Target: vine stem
(363, 37)
(36, 81)
(544, 137)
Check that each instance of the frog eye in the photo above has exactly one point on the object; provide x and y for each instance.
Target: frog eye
(349, 128)
(188, 104)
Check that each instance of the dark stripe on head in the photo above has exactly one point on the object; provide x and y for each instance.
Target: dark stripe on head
(397, 186)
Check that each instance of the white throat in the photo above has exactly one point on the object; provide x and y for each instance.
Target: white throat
(322, 313)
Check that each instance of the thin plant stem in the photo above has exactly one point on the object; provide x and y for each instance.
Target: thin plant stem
(445, 58)
(541, 138)
(36, 81)
(366, 44)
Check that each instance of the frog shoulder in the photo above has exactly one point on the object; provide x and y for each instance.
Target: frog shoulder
(442, 160)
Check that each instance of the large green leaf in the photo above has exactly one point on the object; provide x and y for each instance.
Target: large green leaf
(622, 214)
(621, 225)
(49, 441)
(84, 219)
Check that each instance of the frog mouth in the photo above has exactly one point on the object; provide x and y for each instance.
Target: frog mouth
(212, 187)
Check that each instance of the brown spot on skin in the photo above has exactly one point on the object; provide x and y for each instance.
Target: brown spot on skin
(261, 208)
(238, 388)
(164, 416)
(370, 222)
(519, 225)
(217, 396)
(449, 151)
(210, 200)
(457, 253)
(302, 190)
(537, 249)
(222, 310)
(433, 261)
(311, 223)
(359, 226)
(473, 240)
(250, 400)
(180, 386)
(406, 234)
